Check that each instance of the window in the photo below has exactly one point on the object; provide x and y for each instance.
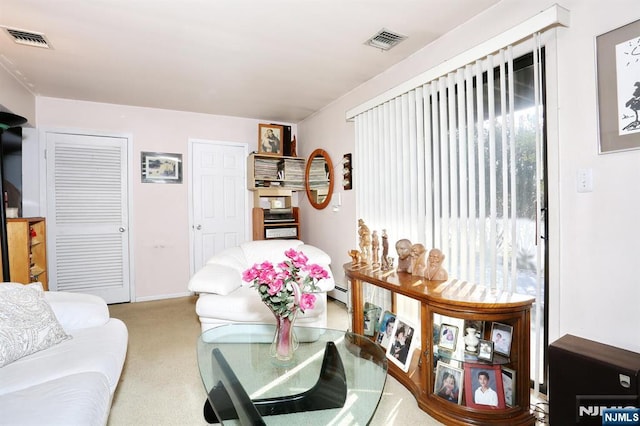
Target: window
(458, 164)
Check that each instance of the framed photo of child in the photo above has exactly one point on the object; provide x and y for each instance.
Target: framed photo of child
(385, 331)
(501, 335)
(448, 337)
(402, 344)
(449, 381)
(483, 386)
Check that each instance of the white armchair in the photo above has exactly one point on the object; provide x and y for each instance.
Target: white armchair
(225, 298)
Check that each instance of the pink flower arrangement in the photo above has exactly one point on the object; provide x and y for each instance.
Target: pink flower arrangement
(289, 286)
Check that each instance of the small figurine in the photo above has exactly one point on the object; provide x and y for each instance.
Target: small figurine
(385, 251)
(293, 147)
(418, 259)
(434, 270)
(403, 247)
(355, 257)
(375, 247)
(365, 241)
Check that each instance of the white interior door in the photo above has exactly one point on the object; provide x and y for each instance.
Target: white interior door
(88, 215)
(219, 198)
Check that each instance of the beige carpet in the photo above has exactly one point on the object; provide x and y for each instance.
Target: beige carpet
(161, 385)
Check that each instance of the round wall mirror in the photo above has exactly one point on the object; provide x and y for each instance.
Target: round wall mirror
(319, 179)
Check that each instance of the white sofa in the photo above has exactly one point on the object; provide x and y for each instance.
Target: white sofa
(225, 298)
(73, 381)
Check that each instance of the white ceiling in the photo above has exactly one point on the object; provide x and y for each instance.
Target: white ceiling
(278, 60)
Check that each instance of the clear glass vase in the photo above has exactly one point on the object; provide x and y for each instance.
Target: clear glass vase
(284, 340)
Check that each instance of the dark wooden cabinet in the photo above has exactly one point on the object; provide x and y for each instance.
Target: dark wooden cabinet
(452, 302)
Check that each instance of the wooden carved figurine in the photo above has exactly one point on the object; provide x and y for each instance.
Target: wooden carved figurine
(355, 257)
(403, 247)
(375, 248)
(365, 242)
(385, 251)
(434, 270)
(418, 259)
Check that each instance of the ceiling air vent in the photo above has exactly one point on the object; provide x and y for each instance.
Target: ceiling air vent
(28, 38)
(385, 39)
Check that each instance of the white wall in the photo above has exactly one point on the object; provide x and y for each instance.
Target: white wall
(160, 212)
(15, 98)
(595, 237)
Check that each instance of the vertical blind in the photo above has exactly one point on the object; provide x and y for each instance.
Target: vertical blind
(441, 168)
(439, 165)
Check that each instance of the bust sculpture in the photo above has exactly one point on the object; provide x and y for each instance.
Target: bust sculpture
(434, 270)
(418, 259)
(403, 248)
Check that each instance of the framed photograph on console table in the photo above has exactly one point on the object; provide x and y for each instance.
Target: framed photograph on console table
(385, 329)
(509, 385)
(403, 342)
(448, 337)
(483, 386)
(501, 336)
(485, 350)
(619, 88)
(449, 381)
(270, 139)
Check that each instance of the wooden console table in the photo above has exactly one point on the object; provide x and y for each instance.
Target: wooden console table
(454, 301)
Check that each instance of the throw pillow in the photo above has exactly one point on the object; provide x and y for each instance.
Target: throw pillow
(27, 323)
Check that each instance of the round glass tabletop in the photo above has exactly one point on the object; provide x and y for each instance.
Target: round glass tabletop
(244, 350)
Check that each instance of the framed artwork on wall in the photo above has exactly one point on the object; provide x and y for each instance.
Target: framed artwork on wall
(618, 76)
(270, 139)
(161, 167)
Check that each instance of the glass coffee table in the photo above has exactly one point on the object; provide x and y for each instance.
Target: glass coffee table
(338, 376)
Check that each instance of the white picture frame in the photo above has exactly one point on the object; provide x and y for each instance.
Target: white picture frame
(404, 341)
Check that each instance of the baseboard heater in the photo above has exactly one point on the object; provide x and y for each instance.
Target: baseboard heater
(587, 377)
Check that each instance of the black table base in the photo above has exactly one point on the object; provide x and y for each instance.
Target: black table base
(229, 400)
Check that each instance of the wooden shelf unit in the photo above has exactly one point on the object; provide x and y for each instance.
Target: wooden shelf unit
(462, 301)
(274, 180)
(269, 171)
(261, 229)
(27, 241)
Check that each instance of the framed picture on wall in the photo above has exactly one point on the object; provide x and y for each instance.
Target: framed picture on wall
(161, 167)
(270, 139)
(618, 69)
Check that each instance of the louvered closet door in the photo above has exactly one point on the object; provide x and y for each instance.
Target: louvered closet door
(87, 215)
